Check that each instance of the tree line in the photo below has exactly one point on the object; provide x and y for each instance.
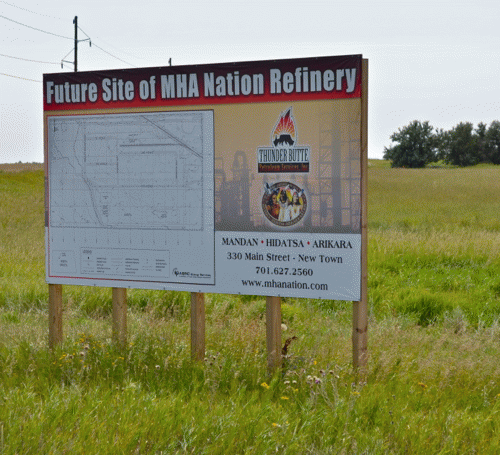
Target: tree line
(419, 144)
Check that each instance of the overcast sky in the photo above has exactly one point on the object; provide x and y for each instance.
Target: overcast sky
(428, 60)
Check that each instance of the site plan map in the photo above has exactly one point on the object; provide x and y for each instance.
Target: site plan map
(131, 197)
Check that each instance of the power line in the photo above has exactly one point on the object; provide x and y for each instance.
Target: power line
(33, 28)
(28, 60)
(79, 28)
(17, 77)
(75, 49)
(33, 12)
(114, 56)
(100, 40)
(59, 36)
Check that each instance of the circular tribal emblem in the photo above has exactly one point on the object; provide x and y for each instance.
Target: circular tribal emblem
(284, 203)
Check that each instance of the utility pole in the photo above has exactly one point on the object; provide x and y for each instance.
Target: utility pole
(75, 21)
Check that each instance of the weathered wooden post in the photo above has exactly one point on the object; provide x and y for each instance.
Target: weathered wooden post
(55, 315)
(119, 316)
(273, 333)
(197, 326)
(360, 309)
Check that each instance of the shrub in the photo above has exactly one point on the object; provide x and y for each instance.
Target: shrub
(416, 146)
(460, 145)
(492, 146)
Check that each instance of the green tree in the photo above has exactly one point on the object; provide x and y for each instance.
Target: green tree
(493, 142)
(460, 145)
(481, 142)
(415, 146)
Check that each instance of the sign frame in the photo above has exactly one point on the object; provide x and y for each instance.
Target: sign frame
(285, 87)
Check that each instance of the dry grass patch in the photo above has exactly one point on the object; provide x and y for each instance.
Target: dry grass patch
(20, 167)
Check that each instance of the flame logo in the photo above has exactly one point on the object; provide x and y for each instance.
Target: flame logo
(284, 132)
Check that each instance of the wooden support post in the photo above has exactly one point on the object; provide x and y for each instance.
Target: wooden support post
(197, 326)
(273, 333)
(360, 335)
(120, 316)
(55, 315)
(360, 309)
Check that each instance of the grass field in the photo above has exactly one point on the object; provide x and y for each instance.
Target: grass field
(432, 384)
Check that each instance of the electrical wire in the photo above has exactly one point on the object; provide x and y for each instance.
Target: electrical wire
(84, 33)
(29, 11)
(114, 56)
(59, 36)
(17, 77)
(99, 47)
(121, 51)
(28, 60)
(33, 28)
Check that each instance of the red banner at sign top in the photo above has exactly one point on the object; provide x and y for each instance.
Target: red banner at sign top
(241, 82)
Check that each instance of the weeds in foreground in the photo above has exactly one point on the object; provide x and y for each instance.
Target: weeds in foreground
(431, 385)
(426, 389)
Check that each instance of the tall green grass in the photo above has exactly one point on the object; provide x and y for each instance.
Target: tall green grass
(431, 385)
(435, 199)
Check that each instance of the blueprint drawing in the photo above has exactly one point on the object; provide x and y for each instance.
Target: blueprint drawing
(130, 197)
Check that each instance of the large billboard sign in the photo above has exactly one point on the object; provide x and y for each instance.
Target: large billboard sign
(240, 178)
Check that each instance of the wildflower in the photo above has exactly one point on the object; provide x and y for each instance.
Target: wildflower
(157, 367)
(285, 398)
(315, 363)
(355, 393)
(275, 424)
(264, 384)
(421, 384)
(317, 380)
(286, 382)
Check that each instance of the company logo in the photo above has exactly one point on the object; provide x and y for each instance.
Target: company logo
(180, 274)
(284, 155)
(284, 204)
(284, 131)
